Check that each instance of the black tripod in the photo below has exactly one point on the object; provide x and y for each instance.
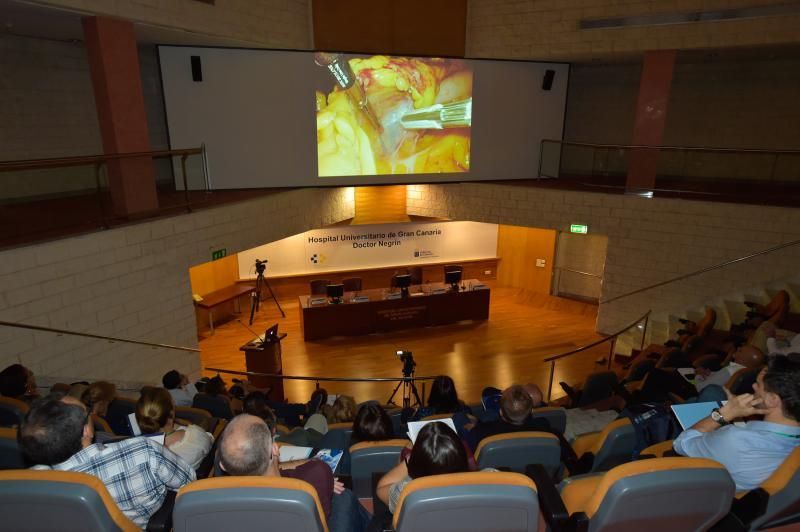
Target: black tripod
(255, 303)
(409, 388)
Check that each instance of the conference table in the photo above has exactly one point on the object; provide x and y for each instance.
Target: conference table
(380, 310)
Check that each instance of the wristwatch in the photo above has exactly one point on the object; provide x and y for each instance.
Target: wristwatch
(716, 417)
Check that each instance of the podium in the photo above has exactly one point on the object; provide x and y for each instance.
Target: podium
(265, 357)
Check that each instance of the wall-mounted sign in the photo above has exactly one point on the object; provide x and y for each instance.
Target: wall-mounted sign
(579, 229)
(219, 253)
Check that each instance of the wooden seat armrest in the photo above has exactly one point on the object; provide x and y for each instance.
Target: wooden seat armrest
(550, 503)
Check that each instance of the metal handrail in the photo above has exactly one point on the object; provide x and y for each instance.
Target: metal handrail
(612, 338)
(704, 270)
(95, 336)
(320, 379)
(57, 162)
(669, 148)
(578, 271)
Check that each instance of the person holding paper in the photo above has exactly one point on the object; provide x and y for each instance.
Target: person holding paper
(247, 449)
(753, 452)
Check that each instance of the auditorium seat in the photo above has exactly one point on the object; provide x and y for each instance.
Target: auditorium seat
(554, 415)
(516, 450)
(742, 381)
(773, 311)
(478, 501)
(10, 455)
(777, 500)
(352, 284)
(282, 430)
(338, 437)
(660, 494)
(319, 287)
(371, 457)
(101, 425)
(659, 450)
(12, 411)
(608, 448)
(117, 415)
(58, 500)
(197, 416)
(217, 405)
(248, 503)
(434, 417)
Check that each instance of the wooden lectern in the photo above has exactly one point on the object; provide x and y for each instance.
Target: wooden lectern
(265, 357)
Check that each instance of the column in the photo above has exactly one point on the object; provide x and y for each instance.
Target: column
(651, 118)
(114, 64)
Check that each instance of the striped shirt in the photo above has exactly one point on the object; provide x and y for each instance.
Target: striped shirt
(137, 473)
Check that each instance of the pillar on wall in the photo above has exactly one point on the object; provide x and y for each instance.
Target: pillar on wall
(651, 118)
(114, 64)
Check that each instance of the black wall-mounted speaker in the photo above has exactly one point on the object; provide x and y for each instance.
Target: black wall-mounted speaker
(547, 80)
(197, 68)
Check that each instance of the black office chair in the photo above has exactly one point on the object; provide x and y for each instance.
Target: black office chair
(352, 284)
(319, 287)
(453, 268)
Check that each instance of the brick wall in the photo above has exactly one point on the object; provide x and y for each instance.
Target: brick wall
(270, 23)
(133, 282)
(548, 29)
(649, 240)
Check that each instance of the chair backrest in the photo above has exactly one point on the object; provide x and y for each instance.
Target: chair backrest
(352, 284)
(742, 381)
(10, 455)
(660, 494)
(371, 457)
(453, 268)
(705, 325)
(216, 405)
(468, 502)
(117, 415)
(518, 449)
(248, 503)
(639, 369)
(12, 411)
(598, 386)
(783, 487)
(101, 425)
(778, 306)
(555, 416)
(197, 416)
(58, 500)
(612, 446)
(319, 287)
(281, 429)
(416, 274)
(433, 417)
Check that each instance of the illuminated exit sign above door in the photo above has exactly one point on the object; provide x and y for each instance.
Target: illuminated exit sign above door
(580, 229)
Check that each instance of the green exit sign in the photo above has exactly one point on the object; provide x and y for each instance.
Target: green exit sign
(580, 229)
(218, 254)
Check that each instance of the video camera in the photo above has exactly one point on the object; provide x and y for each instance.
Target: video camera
(407, 358)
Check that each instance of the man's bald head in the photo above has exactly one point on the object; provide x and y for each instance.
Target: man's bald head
(246, 448)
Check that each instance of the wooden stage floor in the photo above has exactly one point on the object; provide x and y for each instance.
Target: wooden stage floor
(522, 330)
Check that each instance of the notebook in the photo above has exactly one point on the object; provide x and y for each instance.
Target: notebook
(690, 413)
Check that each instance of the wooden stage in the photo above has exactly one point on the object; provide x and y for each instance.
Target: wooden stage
(522, 329)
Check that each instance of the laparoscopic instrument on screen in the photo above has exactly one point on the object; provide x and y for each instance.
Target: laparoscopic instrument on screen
(440, 116)
(340, 69)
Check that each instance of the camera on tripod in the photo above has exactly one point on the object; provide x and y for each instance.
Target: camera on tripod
(408, 362)
(261, 265)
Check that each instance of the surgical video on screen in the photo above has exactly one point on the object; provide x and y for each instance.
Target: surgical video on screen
(383, 115)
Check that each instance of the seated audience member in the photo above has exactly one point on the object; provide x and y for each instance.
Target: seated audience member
(443, 399)
(753, 452)
(343, 410)
(17, 382)
(708, 385)
(179, 388)
(247, 449)
(781, 342)
(76, 389)
(98, 396)
(57, 434)
(490, 399)
(155, 412)
(516, 406)
(256, 404)
(437, 451)
(372, 423)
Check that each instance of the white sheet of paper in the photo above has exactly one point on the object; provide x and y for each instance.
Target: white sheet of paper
(134, 425)
(415, 426)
